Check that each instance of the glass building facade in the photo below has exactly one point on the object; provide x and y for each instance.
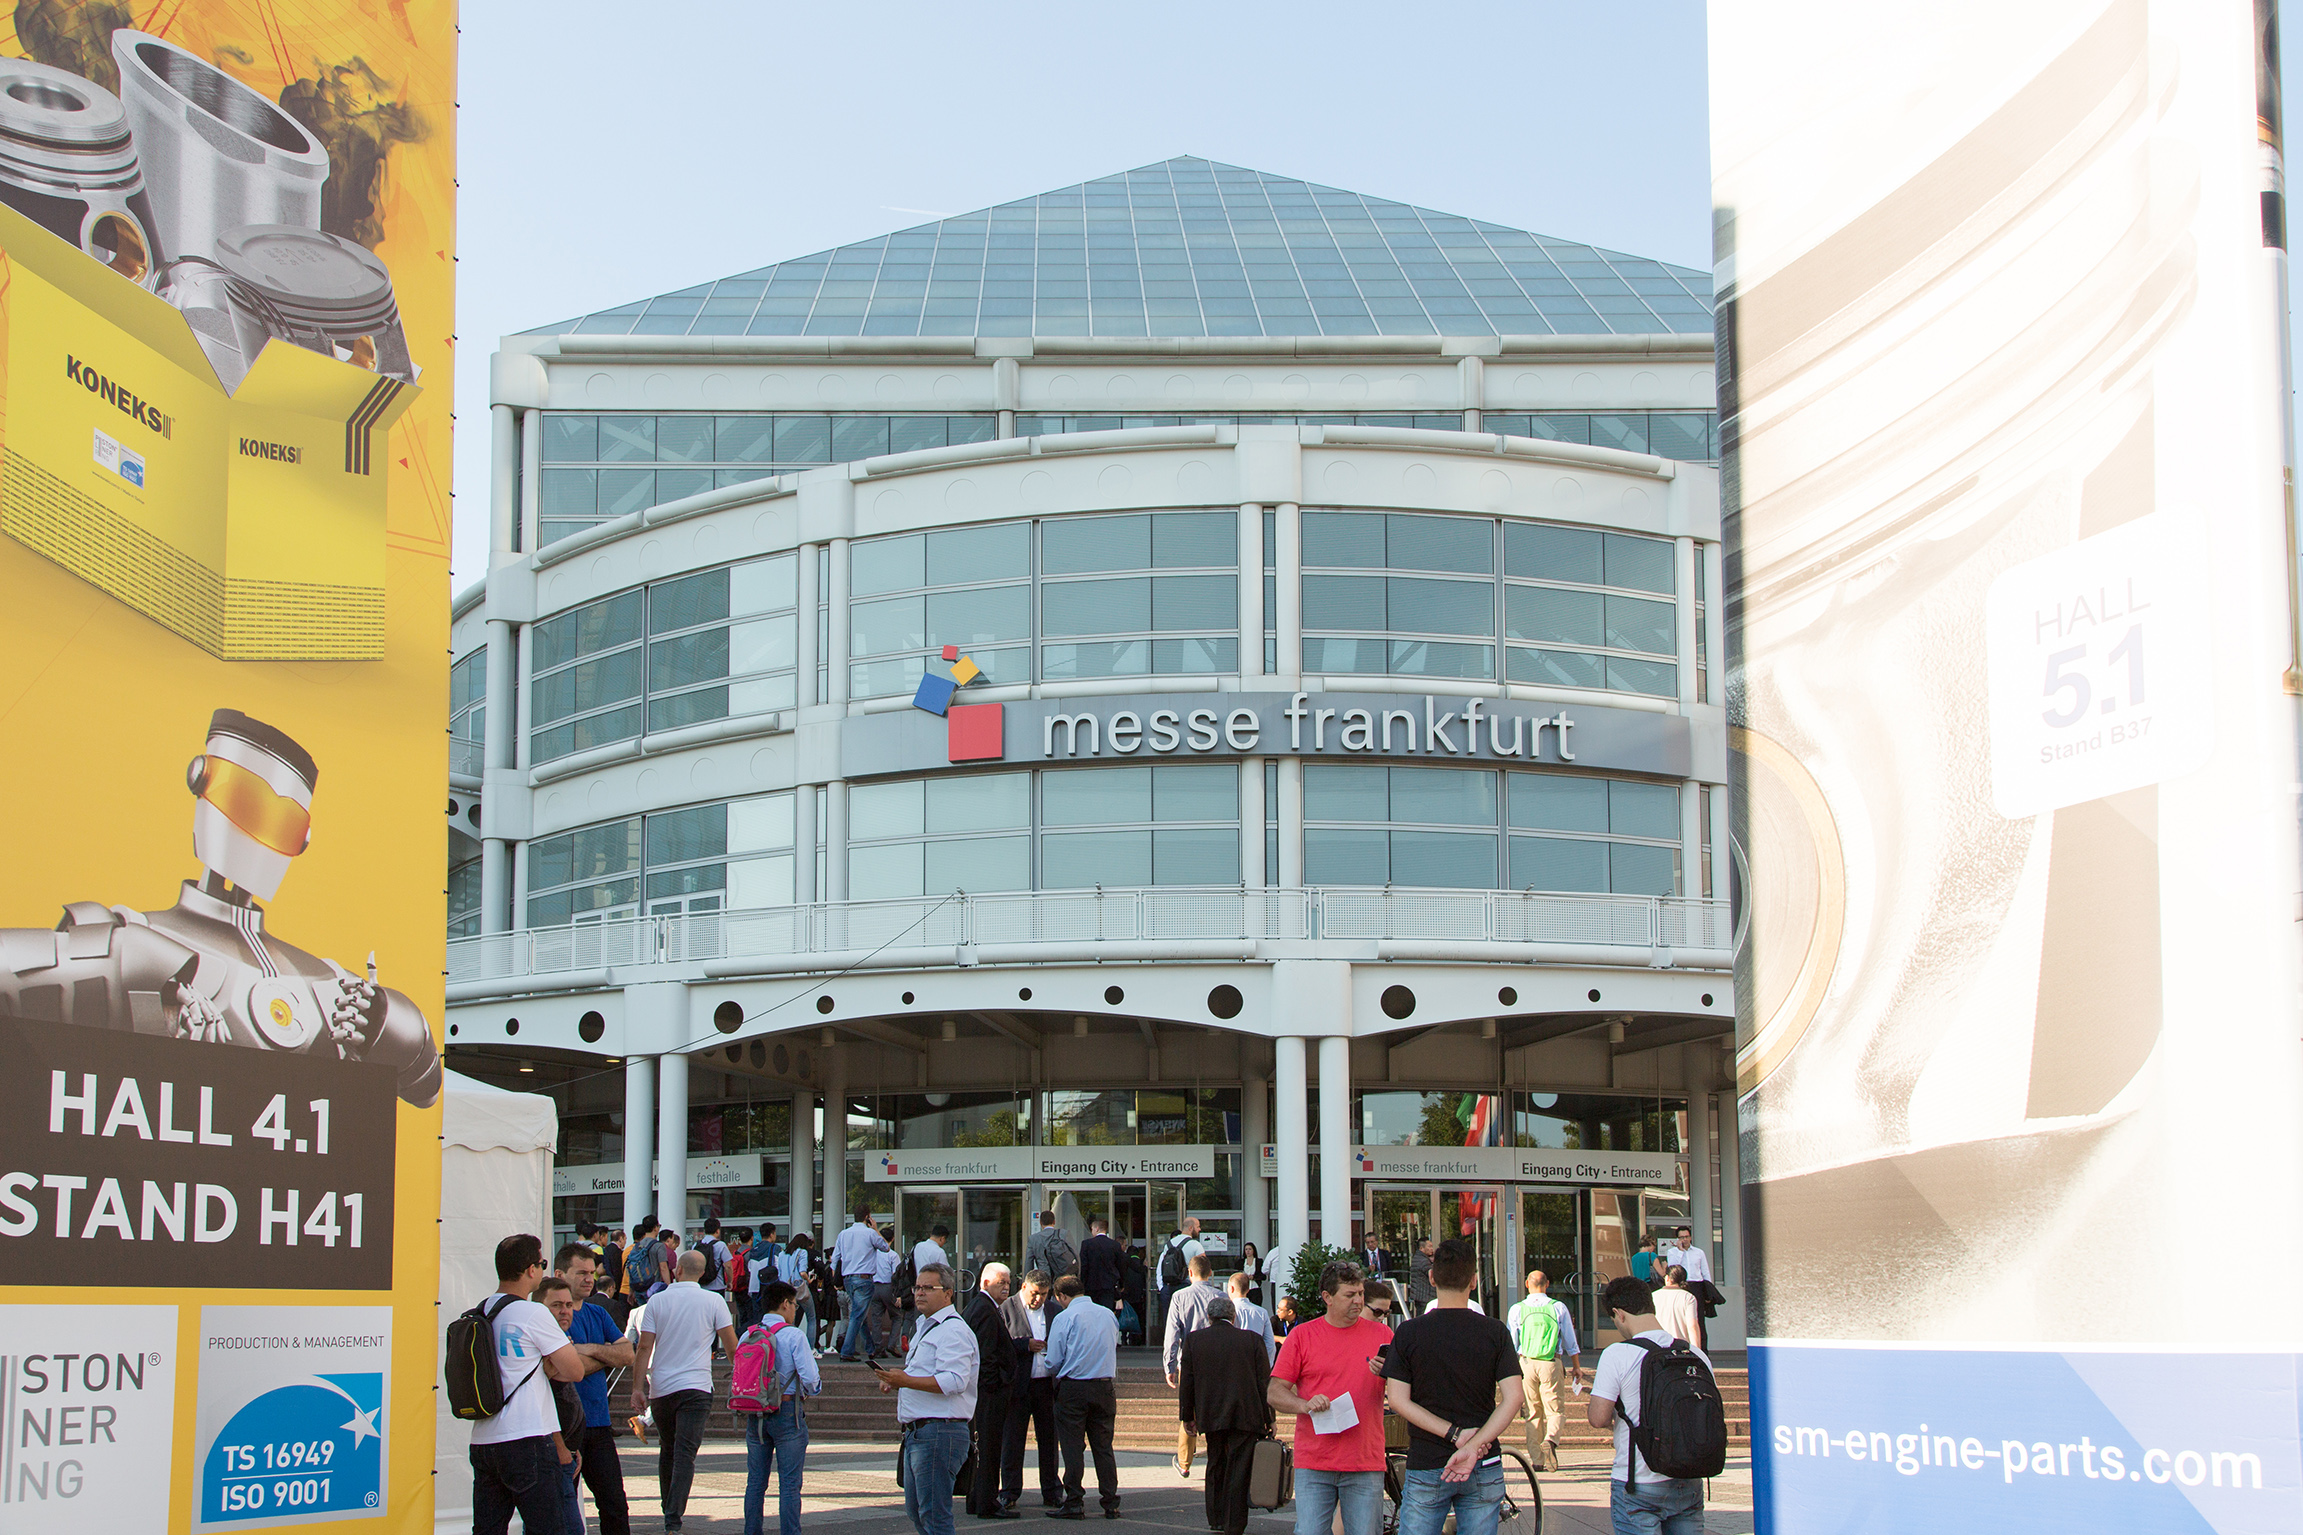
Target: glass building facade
(787, 933)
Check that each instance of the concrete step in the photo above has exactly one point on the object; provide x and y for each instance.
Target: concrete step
(853, 1410)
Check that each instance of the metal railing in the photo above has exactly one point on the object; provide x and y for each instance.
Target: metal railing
(1180, 923)
(467, 758)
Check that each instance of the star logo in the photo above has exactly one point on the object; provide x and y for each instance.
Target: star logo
(363, 1426)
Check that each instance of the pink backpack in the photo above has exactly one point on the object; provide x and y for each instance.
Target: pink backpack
(754, 1384)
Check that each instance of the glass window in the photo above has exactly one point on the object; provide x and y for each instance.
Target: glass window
(887, 564)
(1073, 545)
(744, 439)
(1343, 538)
(1000, 551)
(978, 802)
(1555, 615)
(684, 439)
(1440, 607)
(1643, 564)
(1140, 817)
(1439, 543)
(1597, 1121)
(1346, 856)
(684, 603)
(982, 616)
(1545, 553)
(803, 440)
(627, 439)
(571, 440)
(1077, 859)
(1445, 796)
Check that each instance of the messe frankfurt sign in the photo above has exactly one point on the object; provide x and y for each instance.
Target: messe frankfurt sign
(1171, 727)
(1022, 1164)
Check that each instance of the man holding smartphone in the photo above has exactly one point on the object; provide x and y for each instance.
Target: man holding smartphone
(1453, 1374)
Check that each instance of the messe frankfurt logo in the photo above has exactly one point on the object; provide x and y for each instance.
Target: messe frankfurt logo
(973, 730)
(888, 1165)
(1366, 1163)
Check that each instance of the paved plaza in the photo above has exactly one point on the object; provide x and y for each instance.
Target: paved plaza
(852, 1488)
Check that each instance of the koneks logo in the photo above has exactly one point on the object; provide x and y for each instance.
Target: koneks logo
(278, 452)
(972, 731)
(119, 395)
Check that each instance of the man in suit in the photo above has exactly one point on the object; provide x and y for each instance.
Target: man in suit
(1032, 1397)
(1221, 1397)
(995, 1374)
(1372, 1258)
(1100, 1265)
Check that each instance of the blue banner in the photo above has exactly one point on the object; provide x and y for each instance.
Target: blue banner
(1889, 1440)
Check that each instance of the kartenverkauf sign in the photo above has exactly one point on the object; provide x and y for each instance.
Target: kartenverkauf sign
(1019, 1164)
(737, 1172)
(1505, 1164)
(1171, 727)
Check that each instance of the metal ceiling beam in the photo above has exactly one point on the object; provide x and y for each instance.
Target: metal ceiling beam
(1662, 1036)
(1006, 1024)
(885, 1034)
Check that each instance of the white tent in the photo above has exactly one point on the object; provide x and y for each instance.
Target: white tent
(495, 1180)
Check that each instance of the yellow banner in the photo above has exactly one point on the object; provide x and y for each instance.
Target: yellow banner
(226, 289)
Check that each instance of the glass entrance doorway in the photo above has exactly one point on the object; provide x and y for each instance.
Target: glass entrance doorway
(986, 1224)
(1400, 1219)
(1581, 1238)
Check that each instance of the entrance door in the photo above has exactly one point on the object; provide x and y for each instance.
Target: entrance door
(919, 1212)
(1075, 1204)
(1401, 1218)
(991, 1230)
(1552, 1238)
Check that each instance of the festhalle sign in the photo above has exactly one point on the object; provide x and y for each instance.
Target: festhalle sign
(1181, 726)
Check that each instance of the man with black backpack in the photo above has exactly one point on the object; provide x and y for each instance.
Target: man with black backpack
(515, 1422)
(1658, 1394)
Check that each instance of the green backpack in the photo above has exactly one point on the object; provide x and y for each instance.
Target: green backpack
(1539, 1328)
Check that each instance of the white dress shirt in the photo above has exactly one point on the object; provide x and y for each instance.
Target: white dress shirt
(1688, 1258)
(927, 1252)
(852, 1251)
(1039, 1317)
(945, 1347)
(1253, 1318)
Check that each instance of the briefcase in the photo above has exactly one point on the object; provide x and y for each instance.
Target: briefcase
(1271, 1475)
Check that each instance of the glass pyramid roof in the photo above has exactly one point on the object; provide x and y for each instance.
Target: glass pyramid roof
(1187, 247)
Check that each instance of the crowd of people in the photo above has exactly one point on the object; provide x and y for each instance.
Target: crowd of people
(979, 1374)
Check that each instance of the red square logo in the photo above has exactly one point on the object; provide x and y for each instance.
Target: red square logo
(974, 733)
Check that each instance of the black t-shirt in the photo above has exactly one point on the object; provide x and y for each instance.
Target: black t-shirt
(1451, 1361)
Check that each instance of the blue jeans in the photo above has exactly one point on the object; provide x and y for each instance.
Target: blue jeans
(933, 1455)
(778, 1439)
(572, 1501)
(859, 1288)
(1662, 1506)
(1476, 1501)
(1318, 1494)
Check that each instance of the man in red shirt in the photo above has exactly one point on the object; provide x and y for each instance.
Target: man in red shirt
(1330, 1375)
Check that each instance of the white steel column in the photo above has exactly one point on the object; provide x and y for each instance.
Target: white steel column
(837, 692)
(1290, 1111)
(1683, 563)
(835, 841)
(1715, 622)
(804, 843)
(1251, 590)
(1288, 537)
(803, 1211)
(835, 1142)
(503, 470)
(1254, 1131)
(809, 598)
(1695, 1070)
(672, 1141)
(639, 1138)
(1335, 1140)
(497, 735)
(1251, 812)
(531, 475)
(1291, 823)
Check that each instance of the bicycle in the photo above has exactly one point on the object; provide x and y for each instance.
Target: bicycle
(1522, 1511)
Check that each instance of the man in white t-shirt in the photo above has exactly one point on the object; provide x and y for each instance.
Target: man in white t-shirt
(672, 1372)
(516, 1462)
(1676, 1307)
(1666, 1505)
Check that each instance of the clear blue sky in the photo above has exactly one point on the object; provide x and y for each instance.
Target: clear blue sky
(610, 153)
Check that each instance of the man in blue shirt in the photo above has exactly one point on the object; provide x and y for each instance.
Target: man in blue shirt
(1083, 1355)
(603, 1347)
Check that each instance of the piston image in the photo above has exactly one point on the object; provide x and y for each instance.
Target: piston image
(302, 286)
(218, 155)
(68, 163)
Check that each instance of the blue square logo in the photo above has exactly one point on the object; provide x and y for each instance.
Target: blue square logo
(935, 694)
